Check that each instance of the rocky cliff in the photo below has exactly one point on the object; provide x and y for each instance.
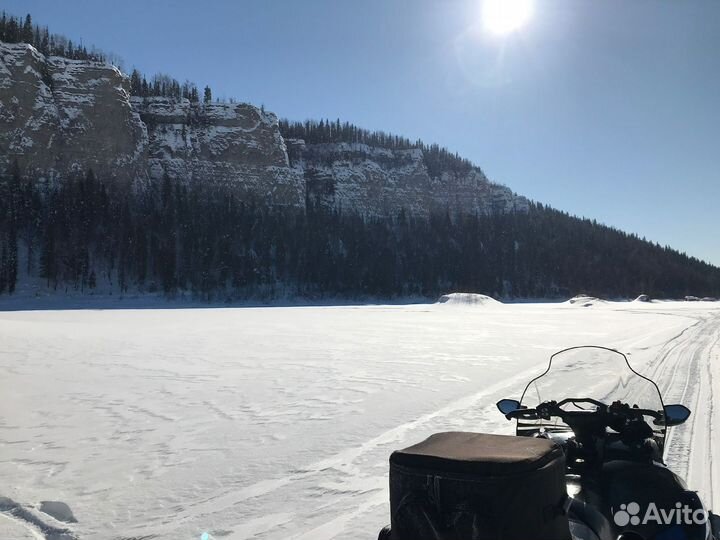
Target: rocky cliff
(236, 145)
(383, 181)
(60, 116)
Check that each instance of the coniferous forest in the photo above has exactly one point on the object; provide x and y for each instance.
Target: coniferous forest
(207, 242)
(199, 239)
(23, 30)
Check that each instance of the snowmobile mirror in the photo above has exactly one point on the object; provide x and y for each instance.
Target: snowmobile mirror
(676, 414)
(507, 406)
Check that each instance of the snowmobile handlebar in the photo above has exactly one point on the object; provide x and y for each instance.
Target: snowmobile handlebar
(591, 422)
(615, 412)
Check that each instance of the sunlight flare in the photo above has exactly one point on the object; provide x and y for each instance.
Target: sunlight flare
(505, 16)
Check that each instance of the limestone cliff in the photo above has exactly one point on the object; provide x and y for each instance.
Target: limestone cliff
(383, 181)
(59, 117)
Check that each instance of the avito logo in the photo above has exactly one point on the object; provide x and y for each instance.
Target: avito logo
(630, 514)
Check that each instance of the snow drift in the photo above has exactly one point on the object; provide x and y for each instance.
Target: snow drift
(468, 299)
(582, 300)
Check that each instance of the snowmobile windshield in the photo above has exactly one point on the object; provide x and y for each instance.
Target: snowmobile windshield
(589, 372)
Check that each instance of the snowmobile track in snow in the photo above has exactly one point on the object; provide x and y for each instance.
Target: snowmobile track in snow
(32, 524)
(684, 373)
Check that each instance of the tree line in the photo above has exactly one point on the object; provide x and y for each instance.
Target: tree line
(22, 30)
(210, 243)
(164, 85)
(437, 159)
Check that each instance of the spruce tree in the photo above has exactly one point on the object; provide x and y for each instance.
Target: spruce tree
(27, 30)
(45, 42)
(3, 267)
(12, 31)
(135, 83)
(193, 96)
(11, 272)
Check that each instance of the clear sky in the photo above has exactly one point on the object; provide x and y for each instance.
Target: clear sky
(608, 109)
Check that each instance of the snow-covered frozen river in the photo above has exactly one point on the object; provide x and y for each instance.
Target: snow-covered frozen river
(277, 422)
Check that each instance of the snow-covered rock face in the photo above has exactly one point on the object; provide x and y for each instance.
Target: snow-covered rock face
(230, 144)
(60, 116)
(381, 181)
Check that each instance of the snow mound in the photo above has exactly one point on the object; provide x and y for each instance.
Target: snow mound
(468, 299)
(582, 300)
(59, 510)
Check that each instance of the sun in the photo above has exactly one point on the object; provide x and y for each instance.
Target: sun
(505, 16)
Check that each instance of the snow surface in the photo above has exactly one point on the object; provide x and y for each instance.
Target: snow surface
(277, 422)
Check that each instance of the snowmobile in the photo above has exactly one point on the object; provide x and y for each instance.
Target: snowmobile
(586, 463)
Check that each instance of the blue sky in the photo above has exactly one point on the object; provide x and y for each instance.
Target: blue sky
(608, 109)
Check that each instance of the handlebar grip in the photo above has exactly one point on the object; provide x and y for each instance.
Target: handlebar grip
(527, 414)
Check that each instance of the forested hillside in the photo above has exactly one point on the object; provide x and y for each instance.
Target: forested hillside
(436, 158)
(84, 234)
(222, 201)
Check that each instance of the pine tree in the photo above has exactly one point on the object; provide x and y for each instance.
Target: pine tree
(48, 262)
(12, 31)
(27, 30)
(3, 26)
(193, 96)
(3, 267)
(207, 97)
(45, 42)
(135, 83)
(11, 271)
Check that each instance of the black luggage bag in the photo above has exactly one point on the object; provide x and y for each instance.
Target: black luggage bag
(470, 486)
